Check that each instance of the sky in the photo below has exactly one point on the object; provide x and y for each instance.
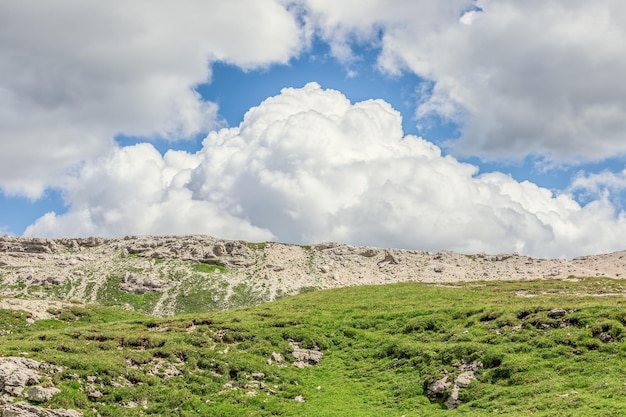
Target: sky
(472, 126)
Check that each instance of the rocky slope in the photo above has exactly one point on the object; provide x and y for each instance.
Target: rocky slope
(166, 275)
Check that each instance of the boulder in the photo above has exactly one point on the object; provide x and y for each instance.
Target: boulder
(40, 394)
(437, 388)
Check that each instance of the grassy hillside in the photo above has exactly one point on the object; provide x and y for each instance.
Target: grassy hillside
(545, 348)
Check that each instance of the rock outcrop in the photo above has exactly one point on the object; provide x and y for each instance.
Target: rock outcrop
(18, 377)
(305, 357)
(18, 373)
(141, 284)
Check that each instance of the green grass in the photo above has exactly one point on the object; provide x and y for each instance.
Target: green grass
(110, 294)
(202, 294)
(209, 269)
(247, 294)
(381, 346)
(257, 245)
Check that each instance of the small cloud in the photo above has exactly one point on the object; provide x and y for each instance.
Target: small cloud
(468, 17)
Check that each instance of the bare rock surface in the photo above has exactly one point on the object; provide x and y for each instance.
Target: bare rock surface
(40, 394)
(82, 270)
(16, 373)
(24, 409)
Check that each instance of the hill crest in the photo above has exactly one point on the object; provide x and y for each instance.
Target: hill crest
(155, 274)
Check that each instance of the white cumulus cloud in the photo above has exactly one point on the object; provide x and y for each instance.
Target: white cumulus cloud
(539, 77)
(75, 74)
(308, 166)
(136, 190)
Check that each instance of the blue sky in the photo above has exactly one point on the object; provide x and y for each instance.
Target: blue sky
(459, 125)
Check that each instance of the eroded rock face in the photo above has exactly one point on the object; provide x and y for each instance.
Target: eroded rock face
(27, 245)
(141, 284)
(203, 249)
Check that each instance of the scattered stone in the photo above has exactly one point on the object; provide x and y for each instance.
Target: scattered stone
(567, 394)
(27, 245)
(300, 399)
(453, 400)
(94, 393)
(36, 309)
(464, 379)
(449, 391)
(6, 399)
(158, 367)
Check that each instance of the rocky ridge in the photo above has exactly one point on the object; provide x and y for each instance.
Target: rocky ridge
(167, 269)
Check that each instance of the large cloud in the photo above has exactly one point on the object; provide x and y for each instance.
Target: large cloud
(74, 74)
(521, 77)
(308, 166)
(135, 190)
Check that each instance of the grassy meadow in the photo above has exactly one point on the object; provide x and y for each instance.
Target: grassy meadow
(546, 348)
